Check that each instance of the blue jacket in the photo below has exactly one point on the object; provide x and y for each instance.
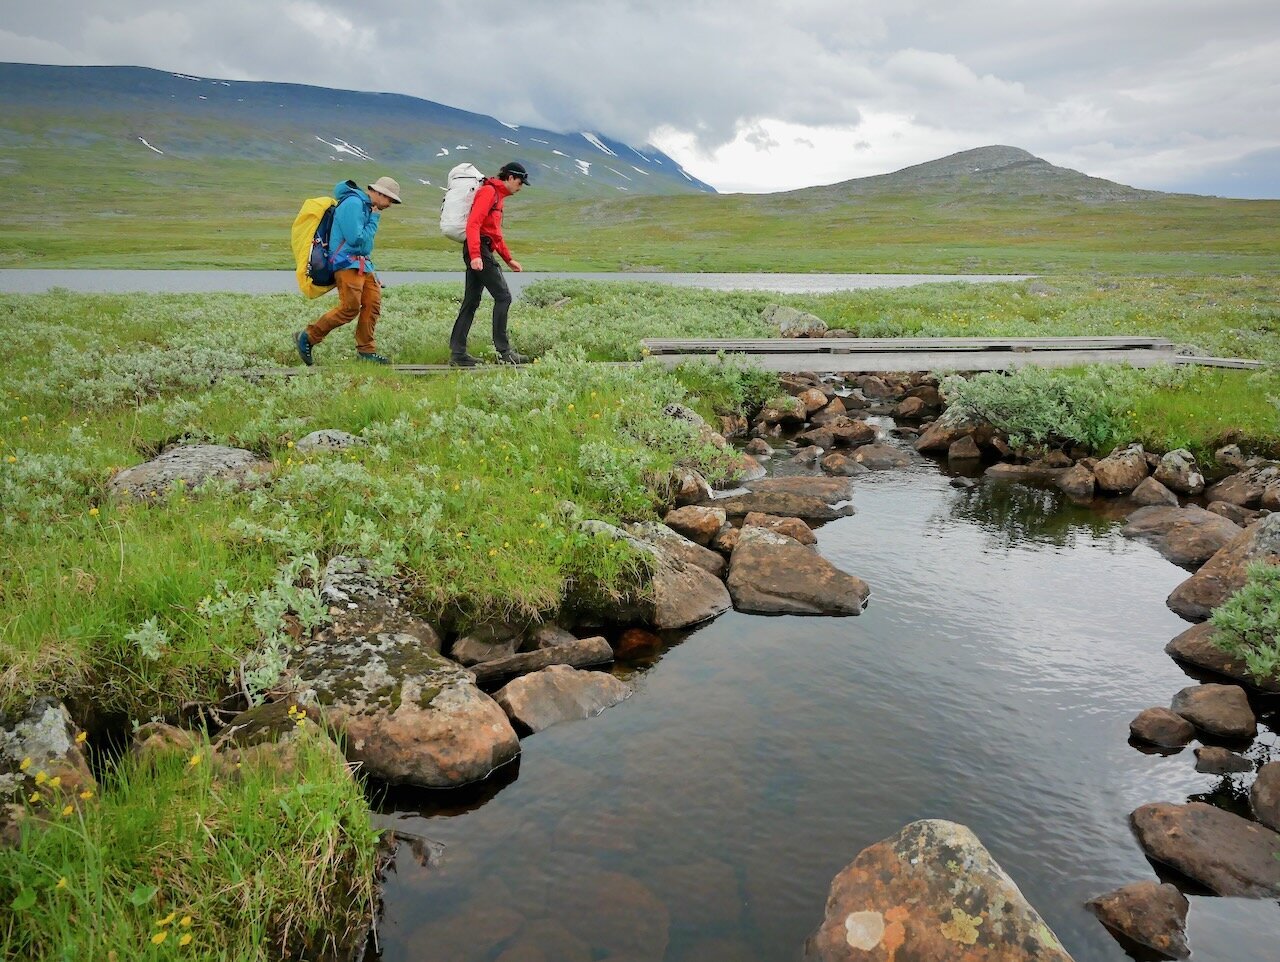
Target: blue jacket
(355, 223)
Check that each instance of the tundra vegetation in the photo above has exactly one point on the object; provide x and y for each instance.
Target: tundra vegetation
(469, 487)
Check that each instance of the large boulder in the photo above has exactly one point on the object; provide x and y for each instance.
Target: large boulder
(1187, 536)
(559, 693)
(807, 506)
(1152, 492)
(699, 523)
(1221, 710)
(678, 546)
(1229, 855)
(406, 714)
(850, 432)
(1148, 913)
(1195, 646)
(189, 465)
(793, 323)
(1264, 796)
(1244, 488)
(1122, 470)
(1179, 472)
(772, 573)
(1224, 574)
(931, 893)
(1214, 760)
(1077, 482)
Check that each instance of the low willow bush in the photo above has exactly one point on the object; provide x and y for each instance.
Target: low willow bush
(1248, 623)
(185, 856)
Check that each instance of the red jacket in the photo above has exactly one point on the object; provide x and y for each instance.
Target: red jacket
(485, 219)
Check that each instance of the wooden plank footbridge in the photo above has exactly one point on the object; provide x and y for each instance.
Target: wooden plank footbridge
(883, 354)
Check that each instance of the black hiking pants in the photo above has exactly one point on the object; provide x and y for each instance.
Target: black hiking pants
(488, 278)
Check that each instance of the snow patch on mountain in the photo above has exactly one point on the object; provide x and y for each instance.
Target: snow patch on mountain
(594, 141)
(618, 172)
(342, 147)
(149, 147)
(584, 167)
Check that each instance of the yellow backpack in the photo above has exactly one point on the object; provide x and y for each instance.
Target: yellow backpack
(311, 230)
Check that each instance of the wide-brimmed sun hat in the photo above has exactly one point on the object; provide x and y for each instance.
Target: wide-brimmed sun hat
(386, 185)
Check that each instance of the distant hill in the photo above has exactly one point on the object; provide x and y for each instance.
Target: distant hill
(995, 171)
(113, 112)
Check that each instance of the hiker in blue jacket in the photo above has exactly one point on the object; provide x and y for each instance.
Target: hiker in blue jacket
(355, 224)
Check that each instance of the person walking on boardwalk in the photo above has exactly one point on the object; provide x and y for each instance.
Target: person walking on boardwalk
(484, 273)
(355, 224)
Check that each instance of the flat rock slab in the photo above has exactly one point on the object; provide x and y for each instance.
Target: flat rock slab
(1224, 574)
(1195, 647)
(192, 465)
(931, 893)
(678, 546)
(772, 573)
(574, 653)
(881, 457)
(1212, 760)
(830, 490)
(1037, 473)
(1186, 536)
(559, 693)
(408, 715)
(786, 504)
(1151, 914)
(1227, 854)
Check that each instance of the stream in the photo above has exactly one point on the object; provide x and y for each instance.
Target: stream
(1010, 638)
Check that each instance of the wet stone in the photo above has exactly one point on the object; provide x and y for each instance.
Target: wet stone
(1264, 796)
(1162, 727)
(1212, 760)
(1229, 855)
(1148, 913)
(1221, 710)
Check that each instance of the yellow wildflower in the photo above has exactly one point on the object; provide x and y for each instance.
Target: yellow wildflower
(41, 777)
(185, 940)
(67, 810)
(167, 919)
(62, 883)
(185, 922)
(24, 419)
(290, 444)
(93, 512)
(194, 761)
(24, 764)
(12, 460)
(35, 797)
(159, 938)
(81, 738)
(570, 407)
(55, 782)
(87, 793)
(493, 552)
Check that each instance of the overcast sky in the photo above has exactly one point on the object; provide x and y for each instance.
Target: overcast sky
(761, 96)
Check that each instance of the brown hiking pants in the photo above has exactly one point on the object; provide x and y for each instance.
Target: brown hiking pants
(359, 295)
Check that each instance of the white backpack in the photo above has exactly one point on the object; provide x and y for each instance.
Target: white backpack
(464, 181)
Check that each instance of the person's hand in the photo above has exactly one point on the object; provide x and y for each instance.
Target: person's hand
(515, 266)
(477, 264)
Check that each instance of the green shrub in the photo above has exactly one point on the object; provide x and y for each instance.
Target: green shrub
(1248, 623)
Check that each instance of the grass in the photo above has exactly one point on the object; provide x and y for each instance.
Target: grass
(191, 856)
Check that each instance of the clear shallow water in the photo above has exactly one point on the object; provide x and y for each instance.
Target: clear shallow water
(283, 282)
(1009, 641)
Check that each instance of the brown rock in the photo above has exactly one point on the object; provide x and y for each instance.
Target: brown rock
(759, 446)
(881, 457)
(1121, 471)
(1021, 473)
(931, 893)
(1151, 491)
(154, 739)
(1245, 488)
(636, 642)
(850, 433)
(1077, 482)
(559, 693)
(791, 527)
(727, 540)
(1195, 647)
(1212, 760)
(834, 410)
(809, 455)
(1148, 913)
(911, 407)
(873, 387)
(1229, 855)
(784, 410)
(1264, 796)
(698, 523)
(772, 573)
(1162, 727)
(943, 433)
(820, 437)
(1178, 472)
(690, 487)
(1233, 512)
(1186, 536)
(733, 426)
(830, 490)
(966, 449)
(842, 465)
(485, 644)
(578, 653)
(809, 507)
(1225, 573)
(677, 546)
(813, 400)
(1221, 710)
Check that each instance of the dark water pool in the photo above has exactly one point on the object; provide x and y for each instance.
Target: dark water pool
(1009, 641)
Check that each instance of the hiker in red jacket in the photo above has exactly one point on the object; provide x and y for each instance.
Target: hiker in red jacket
(484, 273)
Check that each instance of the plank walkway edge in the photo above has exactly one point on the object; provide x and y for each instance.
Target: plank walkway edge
(863, 345)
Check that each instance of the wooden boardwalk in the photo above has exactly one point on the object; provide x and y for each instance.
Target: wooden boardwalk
(884, 354)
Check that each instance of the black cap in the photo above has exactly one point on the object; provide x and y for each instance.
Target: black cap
(514, 169)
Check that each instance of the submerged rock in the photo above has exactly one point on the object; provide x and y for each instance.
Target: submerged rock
(881, 457)
(931, 893)
(1211, 760)
(1227, 854)
(772, 573)
(1148, 913)
(1077, 482)
(559, 693)
(191, 465)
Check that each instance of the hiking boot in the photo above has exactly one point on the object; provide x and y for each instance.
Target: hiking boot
(463, 360)
(303, 344)
(372, 357)
(514, 357)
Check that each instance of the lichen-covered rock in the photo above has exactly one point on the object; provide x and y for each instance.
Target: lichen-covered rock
(1225, 573)
(783, 409)
(678, 546)
(1178, 472)
(931, 893)
(1221, 710)
(793, 323)
(1229, 855)
(39, 746)
(1122, 470)
(1162, 727)
(813, 399)
(699, 523)
(559, 693)
(407, 714)
(1244, 488)
(190, 465)
(791, 527)
(772, 573)
(1148, 913)
(329, 439)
